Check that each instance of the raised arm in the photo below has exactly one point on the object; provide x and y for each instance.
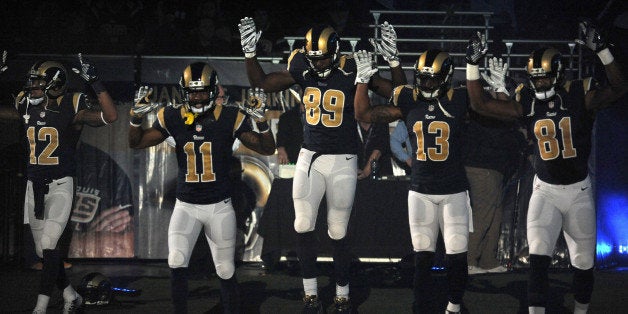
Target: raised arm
(138, 137)
(107, 113)
(254, 106)
(272, 82)
(500, 109)
(361, 103)
(388, 49)
(617, 85)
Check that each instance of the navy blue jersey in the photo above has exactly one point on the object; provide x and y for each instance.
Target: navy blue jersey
(51, 136)
(203, 150)
(436, 138)
(329, 124)
(561, 128)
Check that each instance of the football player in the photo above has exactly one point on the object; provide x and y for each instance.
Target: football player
(327, 162)
(204, 130)
(434, 115)
(559, 115)
(53, 119)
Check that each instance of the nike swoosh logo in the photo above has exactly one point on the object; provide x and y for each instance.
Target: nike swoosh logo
(349, 158)
(59, 183)
(582, 189)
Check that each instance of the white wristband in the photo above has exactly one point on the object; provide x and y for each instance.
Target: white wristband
(249, 55)
(102, 117)
(393, 63)
(134, 125)
(473, 72)
(605, 56)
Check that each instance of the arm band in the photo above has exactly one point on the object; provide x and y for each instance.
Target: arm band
(473, 72)
(605, 56)
(249, 55)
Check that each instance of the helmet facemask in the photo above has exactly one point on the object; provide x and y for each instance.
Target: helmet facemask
(322, 43)
(545, 63)
(199, 77)
(433, 73)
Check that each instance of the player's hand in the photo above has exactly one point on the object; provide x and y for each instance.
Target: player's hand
(591, 37)
(87, 71)
(3, 65)
(476, 49)
(114, 219)
(255, 104)
(142, 102)
(365, 69)
(282, 156)
(497, 79)
(364, 173)
(248, 36)
(388, 45)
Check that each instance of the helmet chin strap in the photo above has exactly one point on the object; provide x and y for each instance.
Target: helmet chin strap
(546, 94)
(36, 101)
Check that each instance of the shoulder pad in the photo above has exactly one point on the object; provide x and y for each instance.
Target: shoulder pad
(397, 92)
(450, 94)
(518, 92)
(586, 84)
(217, 111)
(343, 61)
(292, 54)
(567, 85)
(76, 100)
(19, 99)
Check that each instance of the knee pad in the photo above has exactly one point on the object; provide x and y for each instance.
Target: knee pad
(303, 225)
(176, 259)
(540, 247)
(421, 242)
(456, 244)
(337, 232)
(582, 261)
(46, 242)
(225, 270)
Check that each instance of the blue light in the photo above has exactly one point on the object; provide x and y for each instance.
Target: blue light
(612, 223)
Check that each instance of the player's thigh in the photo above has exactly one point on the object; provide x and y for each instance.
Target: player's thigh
(424, 222)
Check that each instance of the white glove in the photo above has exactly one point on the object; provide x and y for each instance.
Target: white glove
(255, 104)
(497, 79)
(87, 71)
(365, 69)
(3, 65)
(388, 46)
(248, 36)
(142, 104)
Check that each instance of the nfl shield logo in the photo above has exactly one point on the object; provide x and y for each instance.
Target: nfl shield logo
(199, 128)
(551, 104)
(42, 114)
(430, 108)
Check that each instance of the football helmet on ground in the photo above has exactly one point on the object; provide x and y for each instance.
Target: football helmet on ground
(545, 72)
(96, 289)
(322, 43)
(433, 72)
(199, 77)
